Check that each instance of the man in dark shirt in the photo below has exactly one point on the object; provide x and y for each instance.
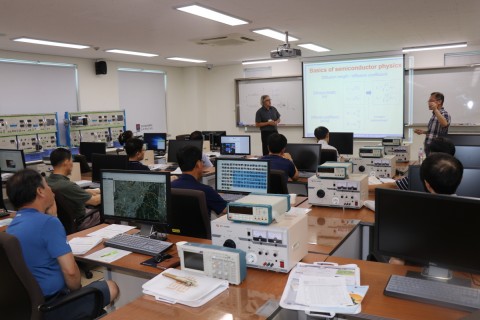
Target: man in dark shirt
(136, 152)
(279, 160)
(190, 161)
(266, 118)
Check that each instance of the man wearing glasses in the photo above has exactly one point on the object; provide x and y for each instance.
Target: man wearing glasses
(266, 118)
(439, 122)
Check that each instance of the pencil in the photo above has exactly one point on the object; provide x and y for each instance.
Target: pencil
(182, 280)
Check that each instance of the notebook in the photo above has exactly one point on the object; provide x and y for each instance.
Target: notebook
(235, 178)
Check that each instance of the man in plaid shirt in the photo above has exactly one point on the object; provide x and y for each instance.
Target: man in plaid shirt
(439, 122)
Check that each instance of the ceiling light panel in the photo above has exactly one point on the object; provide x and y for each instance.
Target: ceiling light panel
(274, 34)
(212, 15)
(51, 43)
(133, 53)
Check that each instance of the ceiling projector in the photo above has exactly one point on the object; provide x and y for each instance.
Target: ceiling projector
(283, 52)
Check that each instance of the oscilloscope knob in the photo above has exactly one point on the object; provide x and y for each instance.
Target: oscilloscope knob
(229, 243)
(320, 193)
(361, 168)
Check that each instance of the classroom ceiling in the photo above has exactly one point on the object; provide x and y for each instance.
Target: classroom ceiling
(154, 26)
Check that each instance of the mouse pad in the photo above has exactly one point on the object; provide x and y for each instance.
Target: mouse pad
(172, 262)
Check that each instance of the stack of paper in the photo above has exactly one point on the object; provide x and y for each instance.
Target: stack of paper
(173, 291)
(82, 245)
(110, 231)
(324, 288)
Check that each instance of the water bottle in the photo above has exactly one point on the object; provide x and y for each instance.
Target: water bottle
(421, 155)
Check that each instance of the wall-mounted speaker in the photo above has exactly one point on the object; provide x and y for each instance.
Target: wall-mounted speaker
(100, 67)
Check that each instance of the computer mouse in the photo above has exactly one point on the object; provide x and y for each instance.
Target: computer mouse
(161, 257)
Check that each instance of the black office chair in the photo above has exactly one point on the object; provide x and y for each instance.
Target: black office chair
(189, 215)
(327, 155)
(277, 182)
(71, 224)
(22, 298)
(183, 137)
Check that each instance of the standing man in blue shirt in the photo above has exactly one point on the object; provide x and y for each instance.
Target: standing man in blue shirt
(190, 162)
(267, 118)
(278, 158)
(43, 240)
(439, 122)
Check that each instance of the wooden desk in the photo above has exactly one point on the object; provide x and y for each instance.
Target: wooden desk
(130, 275)
(376, 303)
(4, 228)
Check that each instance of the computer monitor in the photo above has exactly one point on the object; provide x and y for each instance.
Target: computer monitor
(459, 139)
(428, 229)
(468, 186)
(327, 155)
(343, 141)
(242, 175)
(155, 141)
(469, 156)
(104, 161)
(88, 148)
(175, 145)
(214, 137)
(306, 157)
(11, 160)
(137, 196)
(235, 145)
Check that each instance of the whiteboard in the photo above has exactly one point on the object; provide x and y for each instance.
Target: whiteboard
(286, 95)
(460, 86)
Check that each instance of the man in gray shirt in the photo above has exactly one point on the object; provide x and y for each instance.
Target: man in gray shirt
(266, 118)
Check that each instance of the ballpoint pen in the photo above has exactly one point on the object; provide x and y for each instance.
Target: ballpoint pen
(185, 281)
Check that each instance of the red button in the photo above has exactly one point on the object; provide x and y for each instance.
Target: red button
(282, 265)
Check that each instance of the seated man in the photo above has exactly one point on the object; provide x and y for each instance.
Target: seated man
(438, 145)
(42, 238)
(279, 160)
(61, 160)
(441, 173)
(190, 162)
(135, 152)
(125, 136)
(197, 135)
(323, 137)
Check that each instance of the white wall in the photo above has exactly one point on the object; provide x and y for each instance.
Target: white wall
(198, 98)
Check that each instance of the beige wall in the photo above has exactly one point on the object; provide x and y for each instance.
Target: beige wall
(198, 98)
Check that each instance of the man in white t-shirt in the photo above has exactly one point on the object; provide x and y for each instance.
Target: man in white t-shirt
(323, 137)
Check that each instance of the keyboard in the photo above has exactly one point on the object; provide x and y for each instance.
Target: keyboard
(138, 244)
(434, 292)
(305, 174)
(84, 183)
(230, 197)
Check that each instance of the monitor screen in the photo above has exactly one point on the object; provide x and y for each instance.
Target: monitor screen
(214, 138)
(11, 160)
(428, 228)
(103, 161)
(235, 145)
(459, 139)
(469, 156)
(137, 196)
(88, 148)
(306, 157)
(175, 145)
(343, 141)
(155, 141)
(468, 186)
(242, 175)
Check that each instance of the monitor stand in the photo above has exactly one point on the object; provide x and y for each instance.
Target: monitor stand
(439, 274)
(147, 230)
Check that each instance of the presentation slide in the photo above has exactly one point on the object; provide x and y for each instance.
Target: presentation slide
(361, 95)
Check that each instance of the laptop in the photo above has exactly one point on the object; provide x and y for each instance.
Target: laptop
(236, 178)
(234, 146)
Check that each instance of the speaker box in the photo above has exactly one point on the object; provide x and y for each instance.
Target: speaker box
(100, 67)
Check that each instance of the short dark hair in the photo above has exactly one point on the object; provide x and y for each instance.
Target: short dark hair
(442, 144)
(196, 135)
(124, 136)
(187, 157)
(276, 142)
(133, 145)
(443, 172)
(59, 155)
(438, 96)
(321, 133)
(22, 187)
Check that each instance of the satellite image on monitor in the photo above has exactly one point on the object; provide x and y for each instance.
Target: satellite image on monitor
(140, 200)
